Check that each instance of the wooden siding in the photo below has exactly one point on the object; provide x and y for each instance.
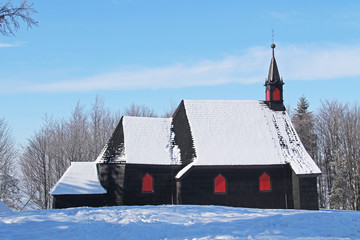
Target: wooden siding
(111, 176)
(196, 187)
(308, 193)
(183, 137)
(83, 200)
(164, 188)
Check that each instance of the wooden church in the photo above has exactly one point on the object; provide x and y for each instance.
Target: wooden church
(210, 152)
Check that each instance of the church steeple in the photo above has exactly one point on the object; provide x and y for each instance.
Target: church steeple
(274, 86)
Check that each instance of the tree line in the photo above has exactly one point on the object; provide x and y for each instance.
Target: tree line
(26, 183)
(332, 138)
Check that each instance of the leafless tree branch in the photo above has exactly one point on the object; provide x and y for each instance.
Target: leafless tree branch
(10, 16)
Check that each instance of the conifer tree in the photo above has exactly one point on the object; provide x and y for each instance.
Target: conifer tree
(303, 120)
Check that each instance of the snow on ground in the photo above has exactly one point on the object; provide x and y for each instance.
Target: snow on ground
(179, 222)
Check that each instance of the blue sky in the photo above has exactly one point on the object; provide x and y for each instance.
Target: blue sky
(159, 52)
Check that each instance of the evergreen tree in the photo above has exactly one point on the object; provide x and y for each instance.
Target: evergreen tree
(304, 125)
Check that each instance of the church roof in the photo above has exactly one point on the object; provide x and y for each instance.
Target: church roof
(79, 178)
(234, 132)
(223, 132)
(146, 140)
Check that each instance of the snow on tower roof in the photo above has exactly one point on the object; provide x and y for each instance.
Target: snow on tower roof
(234, 132)
(79, 178)
(147, 140)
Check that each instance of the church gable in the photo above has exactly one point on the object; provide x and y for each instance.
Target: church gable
(114, 149)
(183, 138)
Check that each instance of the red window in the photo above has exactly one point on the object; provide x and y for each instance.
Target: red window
(276, 94)
(267, 95)
(147, 183)
(265, 182)
(219, 184)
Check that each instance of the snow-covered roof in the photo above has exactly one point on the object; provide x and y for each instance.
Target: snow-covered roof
(147, 140)
(79, 178)
(234, 132)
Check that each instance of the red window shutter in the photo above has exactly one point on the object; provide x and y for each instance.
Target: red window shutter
(219, 184)
(267, 95)
(147, 183)
(265, 182)
(276, 95)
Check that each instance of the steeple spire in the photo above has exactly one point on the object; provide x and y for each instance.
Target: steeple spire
(273, 70)
(274, 85)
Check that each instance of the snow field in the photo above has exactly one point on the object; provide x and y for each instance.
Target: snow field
(179, 222)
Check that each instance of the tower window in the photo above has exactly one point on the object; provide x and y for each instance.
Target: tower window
(219, 184)
(276, 95)
(265, 182)
(147, 183)
(267, 95)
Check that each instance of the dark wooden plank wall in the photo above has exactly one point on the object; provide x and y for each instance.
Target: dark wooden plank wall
(111, 176)
(163, 184)
(308, 193)
(67, 201)
(197, 187)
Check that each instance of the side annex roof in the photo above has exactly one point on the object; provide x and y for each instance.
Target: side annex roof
(79, 178)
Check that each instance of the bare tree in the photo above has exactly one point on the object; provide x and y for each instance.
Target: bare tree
(171, 110)
(328, 123)
(139, 111)
(101, 125)
(10, 16)
(43, 162)
(36, 169)
(345, 191)
(77, 131)
(9, 190)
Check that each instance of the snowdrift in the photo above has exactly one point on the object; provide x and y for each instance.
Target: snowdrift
(179, 222)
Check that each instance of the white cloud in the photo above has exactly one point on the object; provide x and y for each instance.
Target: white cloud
(9, 45)
(319, 63)
(311, 62)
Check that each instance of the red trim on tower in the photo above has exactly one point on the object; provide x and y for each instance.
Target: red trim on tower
(267, 95)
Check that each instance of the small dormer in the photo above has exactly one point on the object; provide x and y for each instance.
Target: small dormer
(274, 86)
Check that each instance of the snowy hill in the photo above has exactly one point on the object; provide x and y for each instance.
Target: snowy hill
(179, 222)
